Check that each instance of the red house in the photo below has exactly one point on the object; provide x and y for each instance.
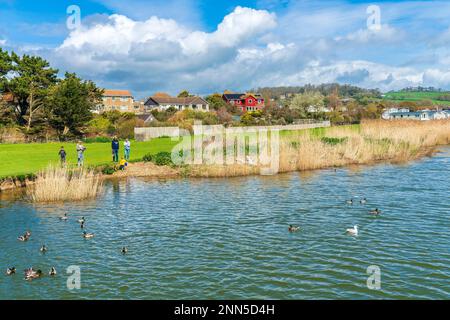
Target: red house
(245, 101)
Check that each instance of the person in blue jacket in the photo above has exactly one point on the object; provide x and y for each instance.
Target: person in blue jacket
(115, 149)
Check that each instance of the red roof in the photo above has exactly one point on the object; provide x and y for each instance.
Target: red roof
(117, 93)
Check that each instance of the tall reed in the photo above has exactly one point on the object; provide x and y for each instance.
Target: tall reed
(62, 184)
(373, 141)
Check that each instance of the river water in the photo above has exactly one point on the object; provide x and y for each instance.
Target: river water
(228, 238)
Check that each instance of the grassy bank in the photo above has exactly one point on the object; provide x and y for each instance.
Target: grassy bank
(22, 159)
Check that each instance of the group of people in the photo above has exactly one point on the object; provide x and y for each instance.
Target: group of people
(115, 146)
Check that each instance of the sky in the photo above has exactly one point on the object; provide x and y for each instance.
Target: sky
(209, 46)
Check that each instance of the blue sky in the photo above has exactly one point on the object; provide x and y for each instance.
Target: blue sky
(207, 46)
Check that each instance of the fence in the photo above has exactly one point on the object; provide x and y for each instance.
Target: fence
(145, 134)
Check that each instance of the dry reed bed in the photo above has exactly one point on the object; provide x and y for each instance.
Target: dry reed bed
(374, 141)
(62, 184)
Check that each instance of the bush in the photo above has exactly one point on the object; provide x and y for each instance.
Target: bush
(333, 141)
(108, 170)
(147, 158)
(97, 140)
(163, 159)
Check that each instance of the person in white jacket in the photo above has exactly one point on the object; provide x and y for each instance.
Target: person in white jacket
(127, 148)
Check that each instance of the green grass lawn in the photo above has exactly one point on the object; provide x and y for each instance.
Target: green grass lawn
(417, 96)
(19, 159)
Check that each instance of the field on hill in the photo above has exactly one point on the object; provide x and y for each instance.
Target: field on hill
(415, 96)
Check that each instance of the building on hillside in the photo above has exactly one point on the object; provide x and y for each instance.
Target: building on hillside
(163, 102)
(245, 101)
(120, 100)
(6, 97)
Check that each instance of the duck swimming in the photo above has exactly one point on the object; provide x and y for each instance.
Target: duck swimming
(44, 249)
(52, 272)
(363, 201)
(82, 220)
(88, 235)
(30, 274)
(375, 212)
(353, 231)
(25, 237)
(10, 271)
(64, 217)
(124, 250)
(82, 225)
(293, 228)
(349, 201)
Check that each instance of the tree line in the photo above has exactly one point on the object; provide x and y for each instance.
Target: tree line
(40, 103)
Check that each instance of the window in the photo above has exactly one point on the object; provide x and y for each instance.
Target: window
(250, 101)
(124, 108)
(259, 101)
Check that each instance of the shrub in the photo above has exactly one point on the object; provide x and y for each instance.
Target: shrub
(333, 141)
(147, 158)
(163, 159)
(108, 170)
(97, 140)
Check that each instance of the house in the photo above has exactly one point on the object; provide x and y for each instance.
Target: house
(120, 100)
(424, 115)
(147, 118)
(245, 101)
(163, 102)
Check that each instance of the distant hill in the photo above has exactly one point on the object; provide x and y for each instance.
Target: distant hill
(344, 90)
(436, 97)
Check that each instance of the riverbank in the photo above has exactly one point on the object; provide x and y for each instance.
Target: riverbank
(371, 142)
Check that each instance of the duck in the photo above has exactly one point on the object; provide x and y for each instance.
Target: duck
(64, 217)
(43, 249)
(31, 274)
(293, 228)
(124, 250)
(353, 231)
(10, 271)
(52, 272)
(82, 220)
(88, 235)
(363, 201)
(22, 238)
(375, 212)
(349, 201)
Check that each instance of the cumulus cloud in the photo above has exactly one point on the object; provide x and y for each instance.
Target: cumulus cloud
(248, 49)
(2, 42)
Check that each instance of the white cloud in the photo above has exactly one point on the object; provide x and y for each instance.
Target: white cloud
(2, 42)
(248, 49)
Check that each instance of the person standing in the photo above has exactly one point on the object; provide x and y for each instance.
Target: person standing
(62, 156)
(115, 149)
(127, 148)
(80, 152)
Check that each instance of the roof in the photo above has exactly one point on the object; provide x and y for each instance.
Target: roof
(233, 96)
(176, 101)
(239, 96)
(117, 93)
(7, 97)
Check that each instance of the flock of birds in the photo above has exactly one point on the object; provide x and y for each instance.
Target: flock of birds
(351, 231)
(31, 273)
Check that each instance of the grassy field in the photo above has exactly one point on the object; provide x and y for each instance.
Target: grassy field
(19, 159)
(417, 96)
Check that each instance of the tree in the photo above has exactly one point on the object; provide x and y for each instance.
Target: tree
(184, 94)
(32, 77)
(216, 102)
(5, 67)
(70, 103)
(303, 101)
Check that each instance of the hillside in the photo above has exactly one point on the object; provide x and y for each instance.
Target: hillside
(436, 97)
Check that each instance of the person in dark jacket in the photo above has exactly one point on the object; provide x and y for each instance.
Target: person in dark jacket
(115, 149)
(62, 156)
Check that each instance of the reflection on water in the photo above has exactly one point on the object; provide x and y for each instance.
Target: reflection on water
(228, 239)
